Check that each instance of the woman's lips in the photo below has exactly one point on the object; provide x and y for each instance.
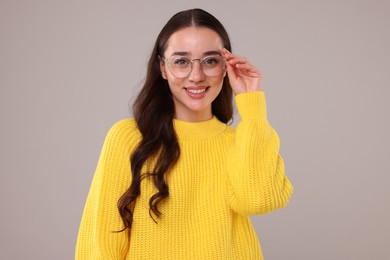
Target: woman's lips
(196, 92)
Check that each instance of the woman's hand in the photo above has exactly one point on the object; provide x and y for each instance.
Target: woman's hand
(243, 76)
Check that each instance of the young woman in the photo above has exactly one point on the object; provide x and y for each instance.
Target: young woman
(176, 182)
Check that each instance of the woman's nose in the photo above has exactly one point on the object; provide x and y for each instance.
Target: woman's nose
(196, 73)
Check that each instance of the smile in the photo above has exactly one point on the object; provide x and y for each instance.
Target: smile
(196, 91)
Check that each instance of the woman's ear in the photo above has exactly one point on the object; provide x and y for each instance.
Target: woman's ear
(162, 69)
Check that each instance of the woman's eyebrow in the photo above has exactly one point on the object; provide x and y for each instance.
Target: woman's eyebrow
(186, 53)
(207, 53)
(180, 53)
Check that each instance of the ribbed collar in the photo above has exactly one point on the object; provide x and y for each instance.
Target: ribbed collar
(198, 130)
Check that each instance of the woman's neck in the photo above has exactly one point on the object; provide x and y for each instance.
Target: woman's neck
(193, 116)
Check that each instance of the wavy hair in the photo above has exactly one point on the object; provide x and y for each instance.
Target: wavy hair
(154, 110)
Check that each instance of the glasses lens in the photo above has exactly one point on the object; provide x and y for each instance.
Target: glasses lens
(180, 66)
(213, 65)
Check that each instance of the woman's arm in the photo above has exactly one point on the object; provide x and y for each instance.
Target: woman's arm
(97, 238)
(255, 168)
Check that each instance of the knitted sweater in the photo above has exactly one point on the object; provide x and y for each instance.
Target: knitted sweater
(223, 175)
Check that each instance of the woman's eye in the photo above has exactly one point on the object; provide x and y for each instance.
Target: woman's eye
(181, 62)
(211, 61)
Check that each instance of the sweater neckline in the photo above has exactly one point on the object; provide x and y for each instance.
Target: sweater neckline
(198, 130)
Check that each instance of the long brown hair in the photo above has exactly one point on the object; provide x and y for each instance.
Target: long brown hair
(154, 110)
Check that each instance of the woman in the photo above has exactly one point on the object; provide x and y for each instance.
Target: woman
(176, 182)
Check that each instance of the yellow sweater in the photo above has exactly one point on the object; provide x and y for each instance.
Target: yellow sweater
(223, 175)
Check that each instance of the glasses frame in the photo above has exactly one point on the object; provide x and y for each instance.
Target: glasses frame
(201, 60)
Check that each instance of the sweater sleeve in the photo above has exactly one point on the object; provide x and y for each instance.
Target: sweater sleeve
(257, 181)
(97, 238)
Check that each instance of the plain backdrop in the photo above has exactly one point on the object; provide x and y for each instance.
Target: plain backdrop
(70, 69)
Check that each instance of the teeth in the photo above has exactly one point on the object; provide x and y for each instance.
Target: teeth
(196, 91)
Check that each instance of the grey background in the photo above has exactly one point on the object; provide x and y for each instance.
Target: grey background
(69, 69)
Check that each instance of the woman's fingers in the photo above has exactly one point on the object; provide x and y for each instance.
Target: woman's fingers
(243, 76)
(240, 63)
(248, 69)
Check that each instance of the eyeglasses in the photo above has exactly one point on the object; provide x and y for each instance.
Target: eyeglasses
(181, 67)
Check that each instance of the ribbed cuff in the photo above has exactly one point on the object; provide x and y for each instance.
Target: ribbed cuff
(251, 105)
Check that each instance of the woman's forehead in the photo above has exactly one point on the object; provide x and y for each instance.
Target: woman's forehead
(194, 41)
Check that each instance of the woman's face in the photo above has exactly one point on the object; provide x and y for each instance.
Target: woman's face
(194, 93)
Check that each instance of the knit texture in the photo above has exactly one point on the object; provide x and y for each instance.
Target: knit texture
(223, 175)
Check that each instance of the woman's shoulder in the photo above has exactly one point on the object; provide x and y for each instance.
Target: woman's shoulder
(126, 124)
(230, 132)
(124, 131)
